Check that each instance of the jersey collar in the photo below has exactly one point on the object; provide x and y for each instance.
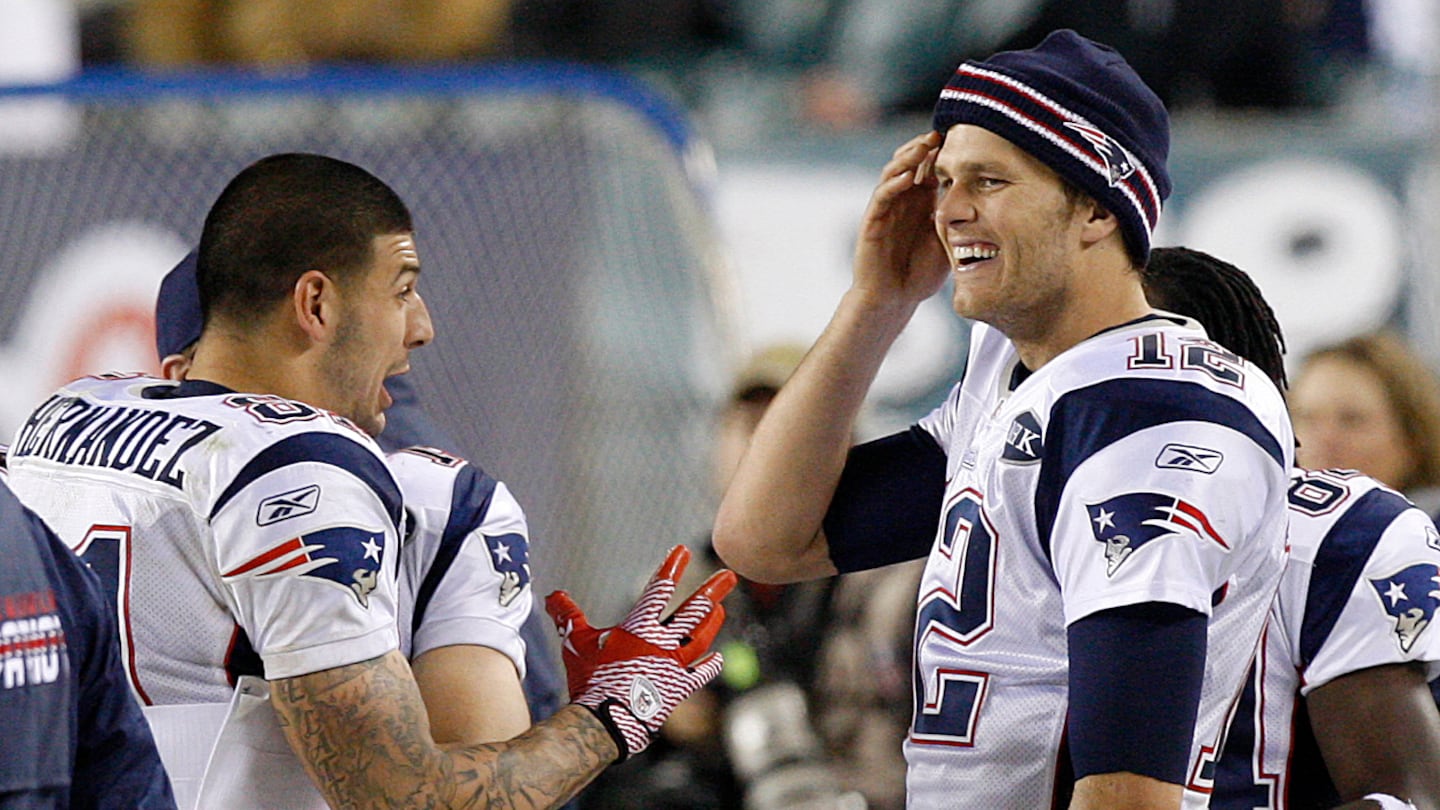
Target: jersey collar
(188, 388)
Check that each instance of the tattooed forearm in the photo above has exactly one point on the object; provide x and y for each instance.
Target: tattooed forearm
(543, 767)
(363, 735)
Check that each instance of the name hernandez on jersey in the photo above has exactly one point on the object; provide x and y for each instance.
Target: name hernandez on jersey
(240, 534)
(1361, 589)
(465, 564)
(1146, 464)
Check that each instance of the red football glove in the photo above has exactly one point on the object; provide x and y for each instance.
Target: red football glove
(633, 675)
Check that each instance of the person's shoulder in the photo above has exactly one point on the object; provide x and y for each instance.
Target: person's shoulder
(430, 476)
(1160, 361)
(265, 431)
(421, 466)
(420, 460)
(1341, 517)
(262, 416)
(1319, 499)
(1367, 560)
(111, 386)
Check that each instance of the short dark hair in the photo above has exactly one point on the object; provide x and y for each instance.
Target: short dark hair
(1223, 298)
(282, 216)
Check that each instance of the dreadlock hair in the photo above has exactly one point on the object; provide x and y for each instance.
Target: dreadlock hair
(1223, 298)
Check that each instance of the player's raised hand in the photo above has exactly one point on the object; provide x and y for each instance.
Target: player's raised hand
(898, 253)
(633, 675)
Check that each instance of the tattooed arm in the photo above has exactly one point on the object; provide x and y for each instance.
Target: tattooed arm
(364, 737)
(362, 732)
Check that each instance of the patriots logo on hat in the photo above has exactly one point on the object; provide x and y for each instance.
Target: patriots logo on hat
(1125, 523)
(510, 554)
(1118, 163)
(1411, 596)
(345, 556)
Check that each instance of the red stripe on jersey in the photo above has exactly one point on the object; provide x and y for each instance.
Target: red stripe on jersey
(288, 547)
(1204, 522)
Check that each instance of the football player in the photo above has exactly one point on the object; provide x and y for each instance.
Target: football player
(464, 564)
(1102, 498)
(254, 528)
(1336, 706)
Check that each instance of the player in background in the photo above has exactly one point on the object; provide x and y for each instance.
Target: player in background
(1089, 606)
(1336, 707)
(74, 737)
(464, 574)
(258, 527)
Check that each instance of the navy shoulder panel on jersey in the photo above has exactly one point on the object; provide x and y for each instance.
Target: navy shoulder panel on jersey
(324, 448)
(1087, 420)
(892, 490)
(1340, 560)
(469, 502)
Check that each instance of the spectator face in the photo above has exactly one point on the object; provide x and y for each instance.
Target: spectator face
(1344, 418)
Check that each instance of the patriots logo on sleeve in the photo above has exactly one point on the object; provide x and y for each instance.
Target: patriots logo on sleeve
(1127, 522)
(1411, 596)
(510, 554)
(345, 556)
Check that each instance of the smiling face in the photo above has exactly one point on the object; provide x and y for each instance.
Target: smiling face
(382, 318)
(1011, 232)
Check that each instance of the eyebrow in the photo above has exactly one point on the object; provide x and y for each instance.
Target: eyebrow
(970, 167)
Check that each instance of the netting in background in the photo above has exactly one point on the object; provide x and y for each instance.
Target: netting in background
(569, 265)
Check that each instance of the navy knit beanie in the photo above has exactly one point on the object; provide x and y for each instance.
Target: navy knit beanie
(1079, 108)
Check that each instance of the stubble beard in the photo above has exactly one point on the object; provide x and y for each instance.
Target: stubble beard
(344, 375)
(1029, 314)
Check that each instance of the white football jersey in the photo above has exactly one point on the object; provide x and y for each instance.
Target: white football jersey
(465, 565)
(243, 534)
(1144, 464)
(1361, 590)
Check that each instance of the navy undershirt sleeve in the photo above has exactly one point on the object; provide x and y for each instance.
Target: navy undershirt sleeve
(887, 504)
(1135, 678)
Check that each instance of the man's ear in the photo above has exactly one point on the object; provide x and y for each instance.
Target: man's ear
(314, 301)
(1099, 223)
(175, 366)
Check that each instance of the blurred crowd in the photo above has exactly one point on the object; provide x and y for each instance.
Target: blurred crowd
(840, 64)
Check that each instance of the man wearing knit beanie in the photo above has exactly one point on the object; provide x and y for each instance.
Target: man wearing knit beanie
(1101, 499)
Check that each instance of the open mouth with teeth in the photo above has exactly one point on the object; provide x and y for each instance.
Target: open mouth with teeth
(966, 255)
